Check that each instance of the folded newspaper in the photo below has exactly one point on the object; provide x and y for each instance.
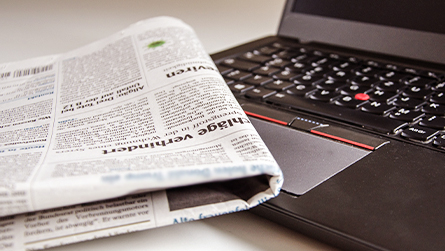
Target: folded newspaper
(135, 131)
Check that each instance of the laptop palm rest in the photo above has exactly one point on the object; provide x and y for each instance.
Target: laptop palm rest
(306, 160)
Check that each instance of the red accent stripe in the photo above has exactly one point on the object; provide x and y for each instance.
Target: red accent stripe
(343, 140)
(265, 118)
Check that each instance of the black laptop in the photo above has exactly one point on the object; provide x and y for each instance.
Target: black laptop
(350, 99)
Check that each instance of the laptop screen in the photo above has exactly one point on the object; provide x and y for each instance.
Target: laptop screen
(406, 28)
(416, 15)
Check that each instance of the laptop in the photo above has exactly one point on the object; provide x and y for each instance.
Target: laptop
(349, 97)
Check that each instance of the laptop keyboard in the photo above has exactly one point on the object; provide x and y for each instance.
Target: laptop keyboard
(388, 99)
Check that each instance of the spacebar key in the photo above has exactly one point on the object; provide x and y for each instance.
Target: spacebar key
(369, 121)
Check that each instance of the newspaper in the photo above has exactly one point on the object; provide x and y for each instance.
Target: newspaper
(135, 131)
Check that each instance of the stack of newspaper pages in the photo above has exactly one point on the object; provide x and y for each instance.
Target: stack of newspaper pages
(135, 131)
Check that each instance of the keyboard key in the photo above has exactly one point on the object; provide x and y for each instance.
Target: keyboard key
(350, 102)
(330, 85)
(406, 115)
(249, 56)
(224, 69)
(340, 75)
(392, 76)
(258, 80)
(238, 75)
(417, 92)
(407, 102)
(300, 90)
(324, 95)
(240, 64)
(438, 98)
(419, 133)
(240, 87)
(307, 79)
(439, 141)
(285, 75)
(278, 62)
(353, 89)
(382, 96)
(434, 108)
(259, 93)
(266, 70)
(377, 108)
(364, 80)
(367, 71)
(433, 122)
(419, 81)
(279, 85)
(389, 86)
(345, 66)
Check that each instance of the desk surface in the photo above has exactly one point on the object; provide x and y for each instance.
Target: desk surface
(37, 28)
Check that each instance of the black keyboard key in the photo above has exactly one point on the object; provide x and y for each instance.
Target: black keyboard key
(356, 117)
(406, 115)
(240, 87)
(300, 90)
(434, 108)
(330, 85)
(375, 107)
(389, 86)
(249, 56)
(417, 92)
(297, 67)
(364, 80)
(224, 69)
(268, 50)
(419, 81)
(285, 75)
(353, 89)
(259, 93)
(382, 96)
(433, 122)
(258, 80)
(344, 66)
(323, 95)
(439, 141)
(279, 63)
(266, 70)
(440, 87)
(340, 75)
(367, 71)
(279, 85)
(238, 75)
(315, 71)
(419, 133)
(349, 101)
(392, 76)
(308, 79)
(438, 98)
(407, 102)
(287, 54)
(240, 64)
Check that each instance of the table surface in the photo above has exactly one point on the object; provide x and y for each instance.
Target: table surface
(38, 28)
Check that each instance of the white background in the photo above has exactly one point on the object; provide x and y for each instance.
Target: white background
(38, 28)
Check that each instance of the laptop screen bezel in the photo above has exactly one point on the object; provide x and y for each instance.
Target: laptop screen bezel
(414, 44)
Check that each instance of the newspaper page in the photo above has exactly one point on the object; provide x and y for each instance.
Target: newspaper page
(135, 131)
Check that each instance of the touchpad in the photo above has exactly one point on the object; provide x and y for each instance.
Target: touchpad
(305, 159)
